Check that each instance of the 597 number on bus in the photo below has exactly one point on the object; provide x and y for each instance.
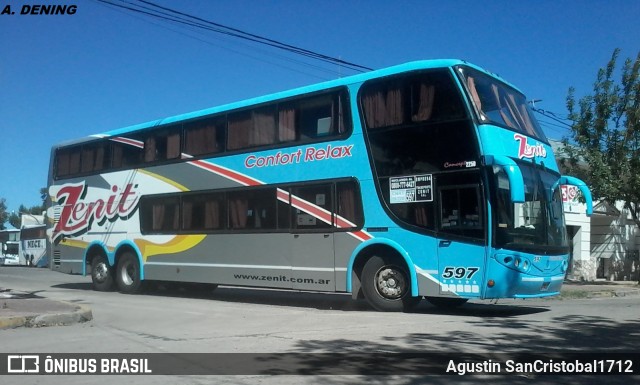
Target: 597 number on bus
(459, 272)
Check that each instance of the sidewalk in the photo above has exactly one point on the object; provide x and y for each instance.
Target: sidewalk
(19, 309)
(598, 289)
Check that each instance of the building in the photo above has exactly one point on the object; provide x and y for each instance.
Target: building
(603, 246)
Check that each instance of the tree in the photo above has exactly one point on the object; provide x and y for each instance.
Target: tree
(15, 218)
(4, 216)
(603, 146)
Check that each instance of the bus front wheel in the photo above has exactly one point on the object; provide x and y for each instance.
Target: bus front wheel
(386, 285)
(101, 274)
(128, 274)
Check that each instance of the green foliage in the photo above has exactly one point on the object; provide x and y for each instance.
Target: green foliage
(4, 216)
(14, 217)
(603, 146)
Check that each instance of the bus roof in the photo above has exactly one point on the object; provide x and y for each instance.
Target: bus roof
(359, 78)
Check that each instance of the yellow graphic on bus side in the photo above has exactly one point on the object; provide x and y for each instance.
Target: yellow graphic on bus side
(178, 244)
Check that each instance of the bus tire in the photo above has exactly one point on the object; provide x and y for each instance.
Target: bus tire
(101, 274)
(128, 273)
(386, 285)
(446, 303)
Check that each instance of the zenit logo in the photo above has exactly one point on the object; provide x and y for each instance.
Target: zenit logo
(526, 150)
(79, 211)
(45, 9)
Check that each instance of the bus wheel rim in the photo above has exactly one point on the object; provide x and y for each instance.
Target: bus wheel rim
(126, 273)
(101, 272)
(390, 283)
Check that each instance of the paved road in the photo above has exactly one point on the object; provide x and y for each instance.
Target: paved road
(233, 320)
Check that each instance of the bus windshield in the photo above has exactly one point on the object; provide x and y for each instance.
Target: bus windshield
(12, 249)
(499, 104)
(536, 225)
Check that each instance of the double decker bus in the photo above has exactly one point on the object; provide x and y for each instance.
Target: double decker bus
(9, 247)
(33, 241)
(430, 179)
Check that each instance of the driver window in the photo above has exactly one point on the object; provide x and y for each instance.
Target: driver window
(460, 210)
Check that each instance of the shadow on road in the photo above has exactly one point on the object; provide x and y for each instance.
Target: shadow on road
(321, 301)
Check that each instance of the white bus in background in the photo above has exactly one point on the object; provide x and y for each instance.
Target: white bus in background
(9, 247)
(33, 243)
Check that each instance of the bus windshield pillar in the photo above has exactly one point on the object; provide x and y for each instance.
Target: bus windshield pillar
(584, 189)
(513, 172)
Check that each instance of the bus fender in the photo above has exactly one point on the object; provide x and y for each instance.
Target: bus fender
(389, 243)
(86, 255)
(130, 244)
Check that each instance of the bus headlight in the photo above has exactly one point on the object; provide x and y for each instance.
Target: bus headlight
(514, 262)
(522, 264)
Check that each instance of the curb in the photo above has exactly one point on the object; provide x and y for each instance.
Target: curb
(80, 314)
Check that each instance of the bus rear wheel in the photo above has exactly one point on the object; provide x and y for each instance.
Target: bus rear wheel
(101, 274)
(386, 285)
(128, 273)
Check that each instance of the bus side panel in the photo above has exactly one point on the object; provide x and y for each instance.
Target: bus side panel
(68, 259)
(230, 259)
(345, 245)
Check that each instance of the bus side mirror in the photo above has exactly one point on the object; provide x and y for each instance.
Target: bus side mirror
(516, 182)
(584, 189)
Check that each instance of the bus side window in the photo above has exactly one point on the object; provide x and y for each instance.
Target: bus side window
(62, 162)
(126, 154)
(160, 215)
(317, 117)
(252, 128)
(253, 209)
(96, 157)
(203, 212)
(162, 146)
(313, 203)
(349, 206)
(204, 136)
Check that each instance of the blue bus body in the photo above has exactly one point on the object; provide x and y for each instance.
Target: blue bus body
(428, 179)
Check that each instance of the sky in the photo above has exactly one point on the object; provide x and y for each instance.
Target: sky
(67, 76)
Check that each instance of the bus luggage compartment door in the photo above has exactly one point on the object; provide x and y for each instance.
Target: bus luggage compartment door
(313, 262)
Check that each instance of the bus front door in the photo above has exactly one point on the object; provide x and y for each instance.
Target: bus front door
(461, 268)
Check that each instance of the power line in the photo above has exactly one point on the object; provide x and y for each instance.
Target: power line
(551, 115)
(171, 15)
(201, 38)
(265, 40)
